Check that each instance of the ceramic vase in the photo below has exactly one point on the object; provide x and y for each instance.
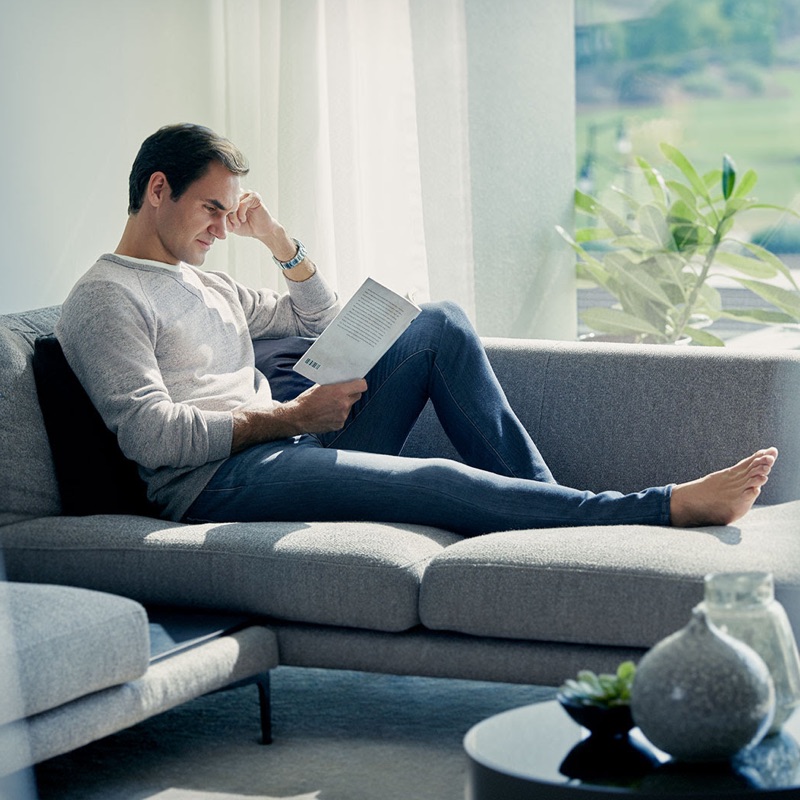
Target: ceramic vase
(743, 605)
(701, 695)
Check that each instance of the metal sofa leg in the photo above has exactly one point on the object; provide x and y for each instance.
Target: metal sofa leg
(265, 705)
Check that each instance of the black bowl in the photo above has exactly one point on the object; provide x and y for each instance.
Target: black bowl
(613, 721)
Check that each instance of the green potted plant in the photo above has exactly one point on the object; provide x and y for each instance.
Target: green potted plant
(656, 257)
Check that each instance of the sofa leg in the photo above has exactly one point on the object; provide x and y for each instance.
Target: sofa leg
(264, 702)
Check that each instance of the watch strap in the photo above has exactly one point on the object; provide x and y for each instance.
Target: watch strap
(298, 257)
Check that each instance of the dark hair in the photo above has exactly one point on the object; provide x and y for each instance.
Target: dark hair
(182, 152)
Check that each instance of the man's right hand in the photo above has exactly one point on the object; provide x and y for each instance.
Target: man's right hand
(319, 409)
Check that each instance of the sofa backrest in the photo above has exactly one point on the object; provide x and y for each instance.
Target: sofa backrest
(604, 416)
(27, 478)
(627, 417)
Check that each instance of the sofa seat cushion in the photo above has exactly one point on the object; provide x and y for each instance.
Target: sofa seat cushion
(626, 585)
(357, 574)
(71, 642)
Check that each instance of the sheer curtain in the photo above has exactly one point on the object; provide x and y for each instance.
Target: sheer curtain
(354, 116)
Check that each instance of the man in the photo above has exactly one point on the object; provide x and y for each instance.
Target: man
(164, 351)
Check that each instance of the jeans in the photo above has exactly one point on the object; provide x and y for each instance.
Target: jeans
(357, 474)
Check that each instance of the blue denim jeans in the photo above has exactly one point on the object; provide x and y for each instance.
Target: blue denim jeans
(357, 474)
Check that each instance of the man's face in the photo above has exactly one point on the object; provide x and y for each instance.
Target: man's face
(186, 228)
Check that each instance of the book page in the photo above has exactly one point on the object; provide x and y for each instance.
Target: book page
(368, 325)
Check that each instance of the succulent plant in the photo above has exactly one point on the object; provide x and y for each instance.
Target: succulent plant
(604, 690)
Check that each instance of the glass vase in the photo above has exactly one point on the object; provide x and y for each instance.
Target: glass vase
(743, 605)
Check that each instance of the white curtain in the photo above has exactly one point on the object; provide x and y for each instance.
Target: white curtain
(354, 116)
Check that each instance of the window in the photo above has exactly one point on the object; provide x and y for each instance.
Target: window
(710, 77)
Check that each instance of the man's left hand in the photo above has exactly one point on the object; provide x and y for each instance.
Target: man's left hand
(252, 218)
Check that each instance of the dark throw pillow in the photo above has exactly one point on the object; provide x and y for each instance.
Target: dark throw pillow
(275, 359)
(93, 475)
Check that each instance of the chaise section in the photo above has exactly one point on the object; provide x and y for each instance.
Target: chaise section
(624, 586)
(215, 665)
(360, 575)
(72, 642)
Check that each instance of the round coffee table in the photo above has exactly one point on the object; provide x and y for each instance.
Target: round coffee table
(537, 751)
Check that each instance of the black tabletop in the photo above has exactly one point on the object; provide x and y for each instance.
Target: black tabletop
(538, 751)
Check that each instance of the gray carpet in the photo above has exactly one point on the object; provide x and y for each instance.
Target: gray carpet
(338, 736)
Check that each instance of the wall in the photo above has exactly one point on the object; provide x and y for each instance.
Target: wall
(87, 80)
(84, 83)
(522, 142)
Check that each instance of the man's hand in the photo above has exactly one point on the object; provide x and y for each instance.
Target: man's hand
(252, 218)
(319, 409)
(325, 408)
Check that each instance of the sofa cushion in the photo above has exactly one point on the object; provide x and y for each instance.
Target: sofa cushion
(276, 358)
(72, 642)
(357, 574)
(94, 477)
(27, 479)
(626, 585)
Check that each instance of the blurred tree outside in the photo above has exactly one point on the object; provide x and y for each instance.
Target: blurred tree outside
(711, 77)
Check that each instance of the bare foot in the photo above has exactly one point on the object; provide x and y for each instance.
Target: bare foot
(722, 497)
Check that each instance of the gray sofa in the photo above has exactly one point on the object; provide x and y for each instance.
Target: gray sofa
(530, 606)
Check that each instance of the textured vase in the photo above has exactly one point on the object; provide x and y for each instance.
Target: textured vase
(743, 605)
(701, 695)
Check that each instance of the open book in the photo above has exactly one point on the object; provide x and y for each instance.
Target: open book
(368, 325)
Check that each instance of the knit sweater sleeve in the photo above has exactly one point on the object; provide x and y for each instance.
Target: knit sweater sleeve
(108, 333)
(305, 310)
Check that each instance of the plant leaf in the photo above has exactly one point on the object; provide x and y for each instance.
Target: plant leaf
(684, 193)
(712, 178)
(655, 181)
(629, 200)
(710, 302)
(653, 225)
(626, 671)
(585, 202)
(671, 265)
(746, 184)
(592, 206)
(635, 242)
(728, 176)
(773, 207)
(754, 267)
(760, 316)
(680, 210)
(785, 300)
(703, 337)
(771, 258)
(637, 279)
(592, 234)
(687, 235)
(592, 267)
(685, 166)
(612, 320)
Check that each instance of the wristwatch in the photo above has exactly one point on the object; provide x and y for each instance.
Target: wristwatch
(298, 257)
